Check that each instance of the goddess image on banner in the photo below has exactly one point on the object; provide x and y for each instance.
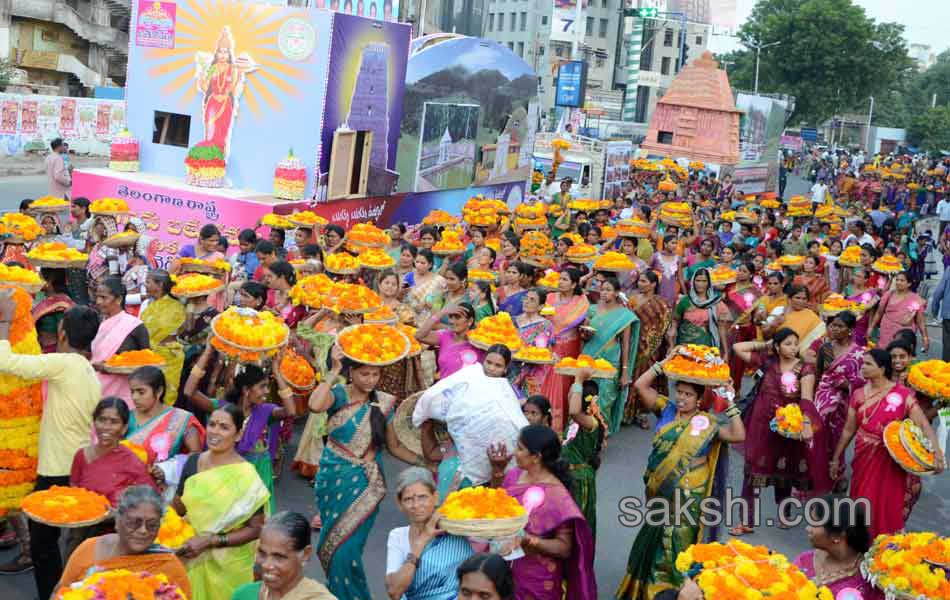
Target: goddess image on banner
(220, 78)
(8, 117)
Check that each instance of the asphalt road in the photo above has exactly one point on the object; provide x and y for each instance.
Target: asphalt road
(620, 476)
(15, 189)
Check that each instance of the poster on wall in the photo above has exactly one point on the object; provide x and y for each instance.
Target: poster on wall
(456, 71)
(617, 171)
(9, 115)
(67, 116)
(447, 151)
(381, 10)
(760, 132)
(155, 24)
(367, 64)
(28, 117)
(103, 119)
(563, 20)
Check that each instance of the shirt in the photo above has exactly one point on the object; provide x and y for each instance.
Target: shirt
(940, 299)
(943, 209)
(57, 175)
(72, 394)
(818, 193)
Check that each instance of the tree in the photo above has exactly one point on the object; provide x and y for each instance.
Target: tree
(931, 129)
(832, 56)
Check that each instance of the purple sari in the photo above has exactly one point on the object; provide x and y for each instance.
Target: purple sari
(254, 427)
(853, 582)
(869, 295)
(538, 577)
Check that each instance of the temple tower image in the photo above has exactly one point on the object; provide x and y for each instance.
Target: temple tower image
(369, 105)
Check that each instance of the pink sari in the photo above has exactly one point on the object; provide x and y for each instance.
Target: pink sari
(855, 582)
(899, 314)
(568, 316)
(891, 490)
(538, 577)
(112, 332)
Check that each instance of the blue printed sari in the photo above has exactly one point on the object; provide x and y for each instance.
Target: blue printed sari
(606, 344)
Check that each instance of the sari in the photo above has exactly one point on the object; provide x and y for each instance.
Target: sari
(221, 500)
(101, 255)
(310, 446)
(349, 489)
(112, 333)
(697, 316)
(890, 489)
(193, 335)
(773, 307)
(156, 560)
(816, 285)
(454, 355)
(512, 304)
(667, 267)
(164, 434)
(580, 451)
(655, 316)
(899, 314)
(845, 581)
(307, 589)
(527, 378)
(862, 327)
(163, 318)
(424, 298)
(837, 378)
(46, 316)
(539, 577)
(741, 303)
(606, 344)
(680, 468)
(568, 316)
(807, 325)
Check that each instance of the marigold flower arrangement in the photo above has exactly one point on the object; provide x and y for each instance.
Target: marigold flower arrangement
(174, 530)
(123, 238)
(276, 221)
(56, 251)
(439, 217)
(561, 144)
(770, 203)
(721, 275)
(530, 212)
(906, 564)
(450, 243)
(249, 328)
(66, 505)
(479, 211)
(15, 275)
(480, 503)
(219, 265)
(534, 354)
(581, 251)
(895, 447)
(136, 358)
(633, 228)
(311, 290)
(21, 226)
(746, 216)
(931, 377)
(373, 343)
(789, 421)
(297, 370)
(481, 275)
(824, 211)
(835, 303)
(367, 234)
(613, 261)
(307, 217)
(737, 570)
(21, 404)
(584, 204)
(851, 257)
(109, 205)
(917, 444)
(352, 298)
(555, 210)
(699, 363)
(888, 265)
(550, 280)
(409, 331)
(121, 584)
(195, 283)
(496, 329)
(584, 362)
(535, 244)
(375, 258)
(50, 202)
(697, 165)
(383, 314)
(341, 262)
(790, 260)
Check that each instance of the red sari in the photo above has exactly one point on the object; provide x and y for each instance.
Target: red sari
(219, 104)
(567, 317)
(891, 490)
(740, 303)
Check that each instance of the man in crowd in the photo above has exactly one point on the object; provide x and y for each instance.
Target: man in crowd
(57, 172)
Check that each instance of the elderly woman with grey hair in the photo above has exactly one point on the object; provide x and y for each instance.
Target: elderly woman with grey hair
(421, 559)
(138, 517)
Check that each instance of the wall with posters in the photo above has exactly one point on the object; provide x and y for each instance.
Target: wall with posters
(29, 122)
(760, 131)
(617, 171)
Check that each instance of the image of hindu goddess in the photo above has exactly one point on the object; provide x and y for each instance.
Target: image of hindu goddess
(221, 81)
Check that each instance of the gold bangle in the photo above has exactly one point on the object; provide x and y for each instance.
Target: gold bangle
(285, 394)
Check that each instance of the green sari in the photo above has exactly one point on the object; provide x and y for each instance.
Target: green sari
(163, 318)
(221, 500)
(682, 464)
(579, 452)
(607, 344)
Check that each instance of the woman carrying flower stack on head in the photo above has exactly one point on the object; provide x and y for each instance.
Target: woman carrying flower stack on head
(226, 502)
(685, 435)
(570, 310)
(164, 316)
(770, 458)
(698, 316)
(164, 431)
(404, 378)
(800, 318)
(770, 308)
(584, 444)
(48, 312)
(349, 485)
(615, 338)
(813, 280)
(132, 547)
(655, 316)
(455, 351)
(558, 545)
(193, 335)
(280, 277)
(535, 331)
(876, 476)
(740, 299)
(118, 332)
(103, 260)
(260, 437)
(858, 291)
(425, 291)
(519, 277)
(900, 308)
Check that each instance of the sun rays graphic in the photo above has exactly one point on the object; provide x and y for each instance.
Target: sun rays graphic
(254, 29)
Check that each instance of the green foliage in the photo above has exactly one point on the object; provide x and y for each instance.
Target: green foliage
(931, 129)
(832, 56)
(6, 72)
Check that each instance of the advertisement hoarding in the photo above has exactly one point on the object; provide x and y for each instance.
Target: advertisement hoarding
(571, 84)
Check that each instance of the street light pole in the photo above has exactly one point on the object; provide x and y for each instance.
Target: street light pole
(867, 136)
(758, 46)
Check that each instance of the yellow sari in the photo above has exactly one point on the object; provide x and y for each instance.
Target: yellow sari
(807, 325)
(162, 318)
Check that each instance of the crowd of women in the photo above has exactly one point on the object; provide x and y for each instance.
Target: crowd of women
(220, 431)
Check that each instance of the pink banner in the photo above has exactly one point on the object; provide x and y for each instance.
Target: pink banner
(103, 119)
(28, 117)
(155, 24)
(67, 116)
(8, 117)
(173, 216)
(792, 142)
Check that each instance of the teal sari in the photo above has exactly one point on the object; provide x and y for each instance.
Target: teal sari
(607, 344)
(349, 488)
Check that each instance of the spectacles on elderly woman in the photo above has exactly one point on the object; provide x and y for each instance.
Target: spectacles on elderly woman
(150, 525)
